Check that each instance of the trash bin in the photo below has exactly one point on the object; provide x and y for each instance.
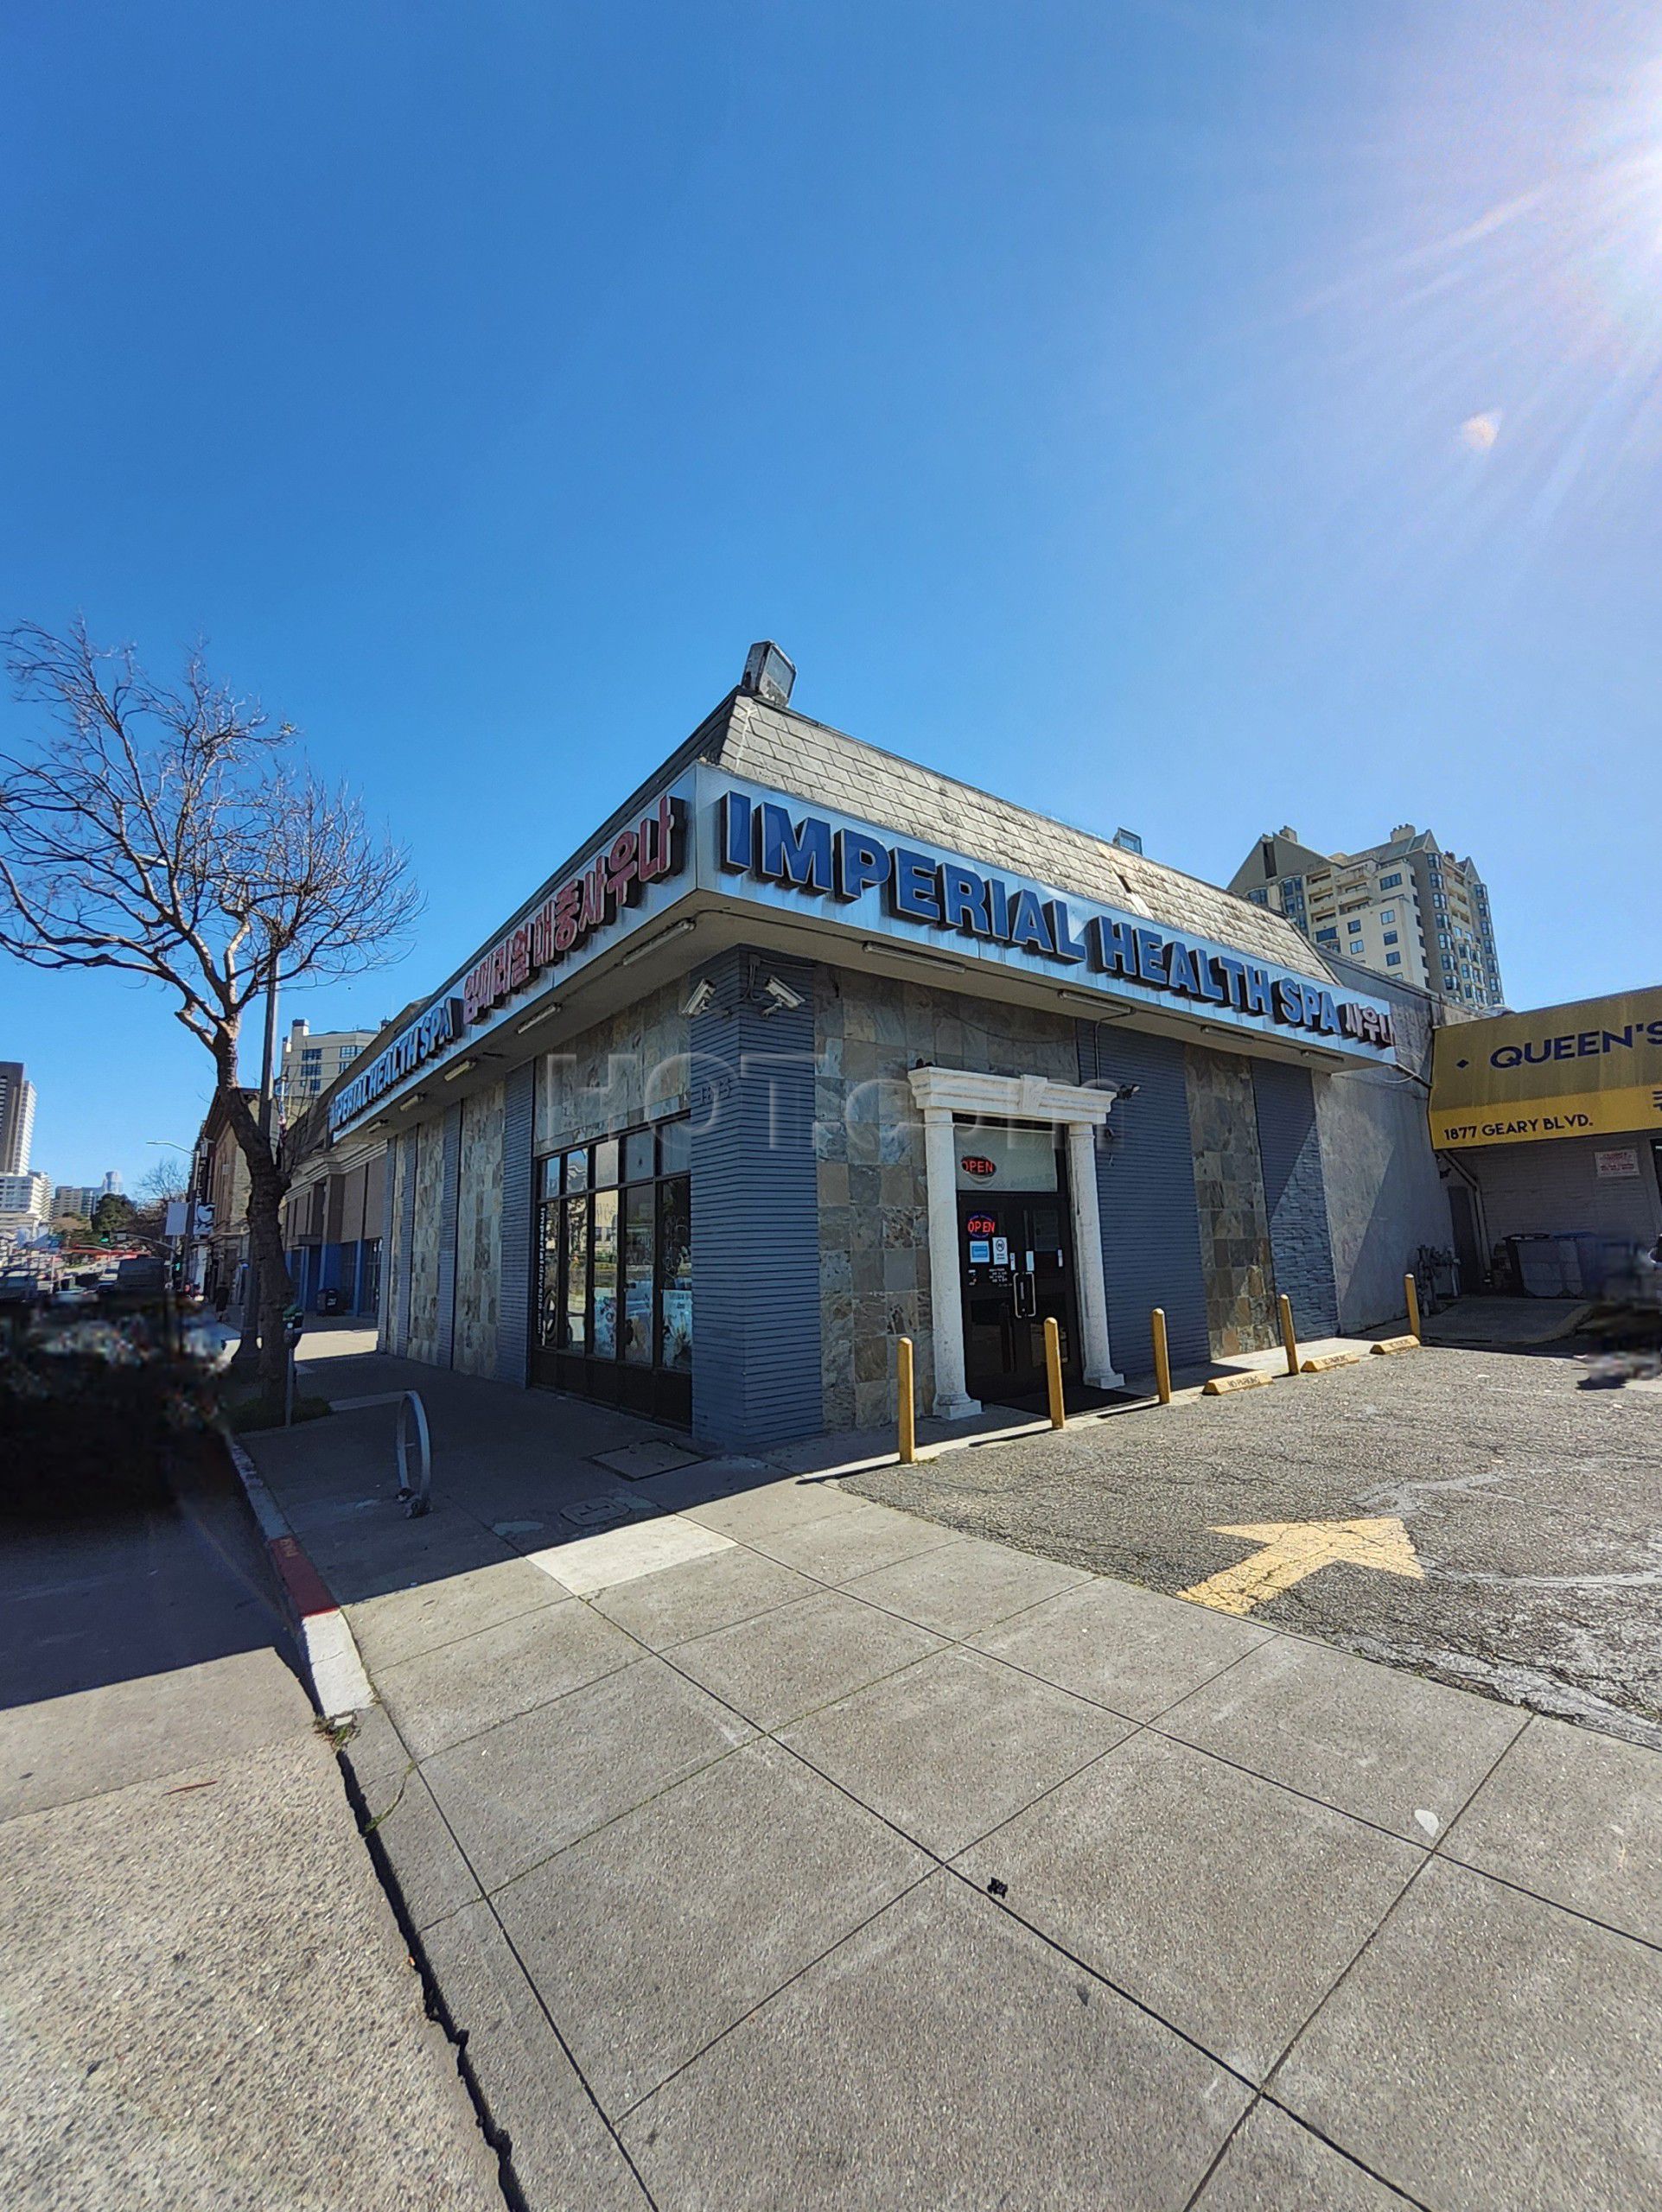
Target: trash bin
(329, 1301)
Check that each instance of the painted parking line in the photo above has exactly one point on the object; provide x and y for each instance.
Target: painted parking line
(1291, 1549)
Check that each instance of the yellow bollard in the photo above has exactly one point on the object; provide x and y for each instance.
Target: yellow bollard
(1413, 1290)
(1053, 1372)
(1161, 1355)
(1289, 1335)
(908, 1410)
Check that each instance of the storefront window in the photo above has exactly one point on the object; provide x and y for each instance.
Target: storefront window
(615, 1315)
(638, 1204)
(575, 1337)
(606, 1274)
(675, 1275)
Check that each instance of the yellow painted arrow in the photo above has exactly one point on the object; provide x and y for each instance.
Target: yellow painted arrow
(1292, 1550)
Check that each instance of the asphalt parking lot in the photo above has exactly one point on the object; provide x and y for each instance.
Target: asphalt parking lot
(1532, 1509)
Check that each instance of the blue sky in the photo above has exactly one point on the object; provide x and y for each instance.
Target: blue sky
(1194, 416)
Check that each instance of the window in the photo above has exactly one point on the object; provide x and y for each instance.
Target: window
(1388, 915)
(1353, 927)
(1393, 960)
(1391, 937)
(1390, 882)
(1327, 937)
(614, 1317)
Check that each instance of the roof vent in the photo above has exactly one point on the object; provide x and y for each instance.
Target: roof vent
(768, 674)
(1128, 841)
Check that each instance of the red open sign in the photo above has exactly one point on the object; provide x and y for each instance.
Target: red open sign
(976, 1163)
(981, 1224)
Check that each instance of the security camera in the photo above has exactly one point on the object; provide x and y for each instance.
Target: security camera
(700, 997)
(1127, 1090)
(781, 998)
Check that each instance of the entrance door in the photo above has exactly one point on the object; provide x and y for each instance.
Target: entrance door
(1017, 1257)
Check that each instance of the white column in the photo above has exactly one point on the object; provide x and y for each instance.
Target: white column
(1099, 1362)
(951, 1401)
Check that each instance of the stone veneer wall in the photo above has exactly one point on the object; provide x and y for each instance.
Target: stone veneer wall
(1235, 1248)
(624, 1071)
(424, 1254)
(390, 1332)
(479, 1232)
(874, 1225)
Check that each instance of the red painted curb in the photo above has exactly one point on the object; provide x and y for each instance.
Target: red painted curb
(306, 1589)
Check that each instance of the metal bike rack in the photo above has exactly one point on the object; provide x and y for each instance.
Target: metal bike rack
(414, 1497)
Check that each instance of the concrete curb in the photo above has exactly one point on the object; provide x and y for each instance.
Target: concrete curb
(339, 1681)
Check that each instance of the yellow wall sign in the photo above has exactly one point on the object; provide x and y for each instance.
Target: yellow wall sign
(1593, 1068)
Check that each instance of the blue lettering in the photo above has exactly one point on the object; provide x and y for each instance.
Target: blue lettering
(738, 834)
(1067, 945)
(1653, 1031)
(1289, 1002)
(1618, 1037)
(801, 857)
(964, 901)
(998, 909)
(1179, 971)
(861, 864)
(1255, 989)
(1539, 1060)
(1235, 979)
(1151, 958)
(1027, 924)
(1207, 968)
(1320, 1011)
(914, 893)
(1113, 946)
(1506, 1056)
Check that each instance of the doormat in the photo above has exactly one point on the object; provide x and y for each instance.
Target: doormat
(652, 1455)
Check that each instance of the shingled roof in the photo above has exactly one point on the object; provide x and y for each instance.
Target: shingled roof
(768, 745)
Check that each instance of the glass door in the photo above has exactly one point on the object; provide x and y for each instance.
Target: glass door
(614, 1311)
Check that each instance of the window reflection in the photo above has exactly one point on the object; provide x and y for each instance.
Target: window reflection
(614, 1262)
(605, 1275)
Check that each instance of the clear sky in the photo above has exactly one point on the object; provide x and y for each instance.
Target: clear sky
(1199, 415)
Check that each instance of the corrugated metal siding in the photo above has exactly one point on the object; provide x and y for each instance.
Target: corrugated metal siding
(1553, 1188)
(449, 1200)
(406, 1252)
(375, 1197)
(755, 1225)
(1294, 1195)
(514, 1303)
(1145, 1195)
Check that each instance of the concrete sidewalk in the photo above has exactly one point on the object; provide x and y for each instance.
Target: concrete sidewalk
(205, 2001)
(778, 1847)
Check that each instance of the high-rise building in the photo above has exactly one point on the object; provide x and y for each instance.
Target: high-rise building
(69, 1199)
(310, 1064)
(24, 1200)
(1406, 908)
(16, 1118)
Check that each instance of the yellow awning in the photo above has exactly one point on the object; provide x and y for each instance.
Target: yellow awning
(1592, 1068)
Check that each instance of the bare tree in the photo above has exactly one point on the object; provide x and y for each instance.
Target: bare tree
(172, 832)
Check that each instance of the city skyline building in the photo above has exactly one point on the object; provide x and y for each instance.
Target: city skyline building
(308, 1064)
(1407, 908)
(16, 1118)
(25, 1199)
(69, 1199)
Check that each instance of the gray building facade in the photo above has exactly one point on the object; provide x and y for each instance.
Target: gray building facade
(809, 1048)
